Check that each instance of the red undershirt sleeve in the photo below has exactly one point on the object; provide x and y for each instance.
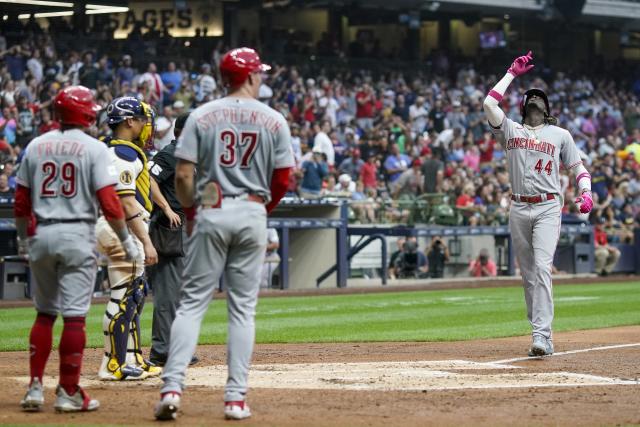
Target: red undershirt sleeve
(279, 184)
(110, 203)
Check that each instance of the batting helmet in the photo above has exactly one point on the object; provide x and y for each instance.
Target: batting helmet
(525, 99)
(75, 106)
(237, 64)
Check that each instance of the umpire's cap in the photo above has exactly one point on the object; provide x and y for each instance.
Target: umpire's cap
(75, 106)
(237, 64)
(528, 94)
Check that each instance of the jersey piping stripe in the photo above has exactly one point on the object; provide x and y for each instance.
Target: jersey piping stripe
(143, 186)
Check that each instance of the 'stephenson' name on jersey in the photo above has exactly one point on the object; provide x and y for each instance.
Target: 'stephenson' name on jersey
(60, 148)
(532, 145)
(240, 116)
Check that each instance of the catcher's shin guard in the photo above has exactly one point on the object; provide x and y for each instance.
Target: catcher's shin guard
(134, 350)
(120, 311)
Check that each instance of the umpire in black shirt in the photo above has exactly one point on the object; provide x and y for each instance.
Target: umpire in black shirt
(167, 234)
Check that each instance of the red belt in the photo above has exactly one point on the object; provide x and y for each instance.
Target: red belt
(533, 199)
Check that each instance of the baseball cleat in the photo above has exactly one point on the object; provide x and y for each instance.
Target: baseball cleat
(167, 408)
(77, 402)
(125, 372)
(237, 410)
(150, 369)
(540, 347)
(34, 399)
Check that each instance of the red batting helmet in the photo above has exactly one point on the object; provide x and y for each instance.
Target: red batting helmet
(75, 106)
(237, 64)
(528, 94)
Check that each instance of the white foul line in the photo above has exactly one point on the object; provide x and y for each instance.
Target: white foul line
(562, 353)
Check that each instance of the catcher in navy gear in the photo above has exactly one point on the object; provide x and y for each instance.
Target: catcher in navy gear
(132, 123)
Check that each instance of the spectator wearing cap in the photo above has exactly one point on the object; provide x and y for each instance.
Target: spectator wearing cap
(314, 172)
(483, 265)
(178, 108)
(166, 276)
(205, 85)
(396, 163)
(352, 165)
(410, 181)
(345, 184)
(164, 131)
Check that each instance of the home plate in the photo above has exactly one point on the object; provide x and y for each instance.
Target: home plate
(386, 376)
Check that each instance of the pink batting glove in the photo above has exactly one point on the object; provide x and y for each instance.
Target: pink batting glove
(585, 202)
(521, 65)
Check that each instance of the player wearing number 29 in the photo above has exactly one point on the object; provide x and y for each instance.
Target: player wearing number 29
(242, 152)
(536, 148)
(61, 179)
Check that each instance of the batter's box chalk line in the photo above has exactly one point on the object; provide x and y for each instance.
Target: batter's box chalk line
(565, 353)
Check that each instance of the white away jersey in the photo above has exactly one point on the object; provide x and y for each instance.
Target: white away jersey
(236, 142)
(534, 156)
(64, 170)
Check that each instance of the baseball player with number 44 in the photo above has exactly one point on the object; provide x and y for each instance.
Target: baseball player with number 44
(536, 148)
(242, 151)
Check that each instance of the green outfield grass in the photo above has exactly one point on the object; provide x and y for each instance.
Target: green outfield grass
(400, 316)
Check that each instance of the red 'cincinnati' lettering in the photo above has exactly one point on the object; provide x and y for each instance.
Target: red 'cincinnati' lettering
(519, 143)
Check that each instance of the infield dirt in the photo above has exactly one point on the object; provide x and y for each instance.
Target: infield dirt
(131, 403)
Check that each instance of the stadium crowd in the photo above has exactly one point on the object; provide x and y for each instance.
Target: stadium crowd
(403, 146)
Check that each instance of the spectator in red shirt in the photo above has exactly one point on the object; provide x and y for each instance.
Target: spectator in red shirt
(369, 174)
(486, 145)
(483, 266)
(47, 124)
(365, 109)
(465, 200)
(606, 255)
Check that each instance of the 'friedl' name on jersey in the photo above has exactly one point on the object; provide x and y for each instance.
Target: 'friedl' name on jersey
(531, 144)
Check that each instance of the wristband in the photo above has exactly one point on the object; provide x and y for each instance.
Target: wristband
(122, 233)
(189, 213)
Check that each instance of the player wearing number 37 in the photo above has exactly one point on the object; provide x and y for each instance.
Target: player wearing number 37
(242, 151)
(536, 148)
